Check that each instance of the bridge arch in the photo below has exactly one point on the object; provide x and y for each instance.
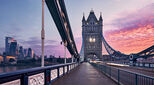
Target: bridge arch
(91, 56)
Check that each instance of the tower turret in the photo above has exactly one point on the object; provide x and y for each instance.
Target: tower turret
(83, 19)
(100, 18)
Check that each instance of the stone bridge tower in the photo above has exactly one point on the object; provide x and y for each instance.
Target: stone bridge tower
(92, 35)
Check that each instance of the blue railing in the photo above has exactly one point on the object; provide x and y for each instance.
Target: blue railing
(123, 77)
(36, 76)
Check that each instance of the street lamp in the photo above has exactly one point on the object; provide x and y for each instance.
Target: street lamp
(42, 35)
(72, 58)
(65, 45)
(72, 55)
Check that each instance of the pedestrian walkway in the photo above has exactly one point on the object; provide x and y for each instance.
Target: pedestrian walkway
(85, 74)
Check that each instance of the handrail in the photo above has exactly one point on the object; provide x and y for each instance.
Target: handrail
(24, 74)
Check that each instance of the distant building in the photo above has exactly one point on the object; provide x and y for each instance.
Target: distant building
(21, 53)
(107, 58)
(1, 59)
(4, 58)
(25, 52)
(7, 59)
(51, 56)
(13, 49)
(45, 56)
(8, 41)
(30, 53)
(35, 56)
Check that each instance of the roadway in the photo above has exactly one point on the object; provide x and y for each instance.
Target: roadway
(85, 74)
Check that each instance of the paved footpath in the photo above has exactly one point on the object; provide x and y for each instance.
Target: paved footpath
(85, 74)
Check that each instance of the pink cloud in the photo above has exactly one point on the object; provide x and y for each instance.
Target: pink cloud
(135, 33)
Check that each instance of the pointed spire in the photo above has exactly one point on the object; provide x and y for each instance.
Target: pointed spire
(100, 18)
(92, 11)
(83, 19)
(92, 16)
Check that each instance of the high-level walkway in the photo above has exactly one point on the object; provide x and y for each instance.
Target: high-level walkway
(85, 74)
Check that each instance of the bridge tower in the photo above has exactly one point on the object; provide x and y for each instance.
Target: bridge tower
(92, 35)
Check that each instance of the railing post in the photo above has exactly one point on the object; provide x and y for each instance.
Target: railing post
(136, 80)
(118, 77)
(73, 66)
(110, 71)
(24, 80)
(47, 76)
(68, 68)
(63, 70)
(58, 72)
(105, 69)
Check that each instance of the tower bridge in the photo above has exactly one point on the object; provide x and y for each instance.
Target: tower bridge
(92, 39)
(91, 35)
(83, 73)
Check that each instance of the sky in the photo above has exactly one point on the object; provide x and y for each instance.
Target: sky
(128, 25)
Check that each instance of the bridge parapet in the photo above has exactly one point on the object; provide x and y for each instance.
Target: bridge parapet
(36, 76)
(124, 77)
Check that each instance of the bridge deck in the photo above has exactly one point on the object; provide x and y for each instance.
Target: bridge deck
(85, 74)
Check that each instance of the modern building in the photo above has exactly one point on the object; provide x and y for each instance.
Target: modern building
(30, 53)
(8, 41)
(21, 53)
(92, 35)
(13, 49)
(25, 52)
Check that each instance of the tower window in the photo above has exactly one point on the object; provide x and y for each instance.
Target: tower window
(92, 39)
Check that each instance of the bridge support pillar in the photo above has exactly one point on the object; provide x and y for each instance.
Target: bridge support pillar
(64, 55)
(72, 58)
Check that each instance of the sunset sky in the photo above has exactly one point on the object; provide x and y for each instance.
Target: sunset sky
(128, 24)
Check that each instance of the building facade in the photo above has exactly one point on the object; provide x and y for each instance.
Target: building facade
(21, 53)
(13, 49)
(92, 35)
(30, 53)
(8, 41)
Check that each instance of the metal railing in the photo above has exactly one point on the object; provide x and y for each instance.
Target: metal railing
(147, 65)
(137, 64)
(123, 77)
(36, 76)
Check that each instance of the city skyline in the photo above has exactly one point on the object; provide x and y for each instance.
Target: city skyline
(13, 48)
(124, 22)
